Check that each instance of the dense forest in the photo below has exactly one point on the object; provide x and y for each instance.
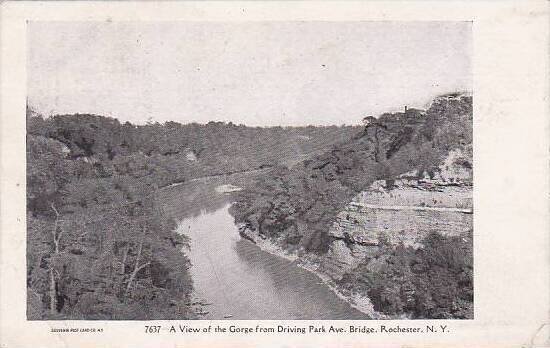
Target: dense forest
(295, 207)
(98, 246)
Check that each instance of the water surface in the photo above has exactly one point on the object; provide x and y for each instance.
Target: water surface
(236, 277)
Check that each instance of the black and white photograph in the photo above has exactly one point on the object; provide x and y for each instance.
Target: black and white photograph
(275, 174)
(262, 170)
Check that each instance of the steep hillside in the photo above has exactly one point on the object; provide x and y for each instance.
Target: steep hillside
(99, 246)
(401, 187)
(405, 212)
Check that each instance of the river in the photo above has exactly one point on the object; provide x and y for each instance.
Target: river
(234, 276)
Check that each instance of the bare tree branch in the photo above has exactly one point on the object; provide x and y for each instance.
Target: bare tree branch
(137, 268)
(124, 257)
(54, 232)
(53, 284)
(53, 298)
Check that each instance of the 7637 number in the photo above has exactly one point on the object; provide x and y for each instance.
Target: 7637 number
(152, 329)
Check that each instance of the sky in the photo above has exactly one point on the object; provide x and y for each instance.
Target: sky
(254, 73)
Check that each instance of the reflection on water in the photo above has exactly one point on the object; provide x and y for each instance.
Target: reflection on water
(234, 275)
(191, 199)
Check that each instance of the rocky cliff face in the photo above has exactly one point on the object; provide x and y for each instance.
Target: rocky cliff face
(402, 211)
(299, 205)
(396, 199)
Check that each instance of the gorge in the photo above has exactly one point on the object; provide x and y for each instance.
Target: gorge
(386, 218)
(224, 221)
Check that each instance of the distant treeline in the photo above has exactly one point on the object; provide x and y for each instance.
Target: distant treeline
(295, 207)
(98, 246)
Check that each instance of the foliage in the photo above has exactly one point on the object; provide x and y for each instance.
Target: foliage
(98, 246)
(434, 281)
(297, 206)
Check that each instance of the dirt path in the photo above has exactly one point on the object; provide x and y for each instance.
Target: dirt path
(411, 207)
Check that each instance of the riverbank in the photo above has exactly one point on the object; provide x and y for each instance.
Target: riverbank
(312, 264)
(241, 281)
